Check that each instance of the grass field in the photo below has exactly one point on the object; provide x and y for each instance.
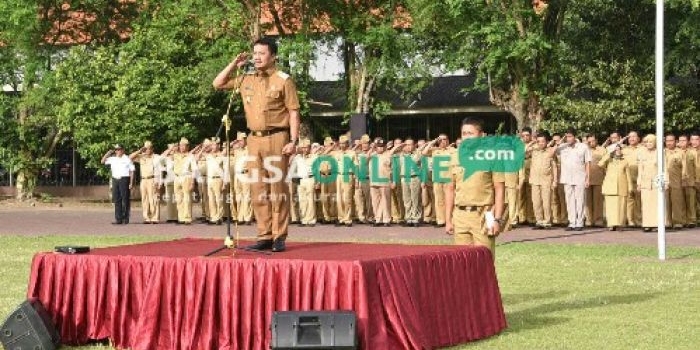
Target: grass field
(555, 296)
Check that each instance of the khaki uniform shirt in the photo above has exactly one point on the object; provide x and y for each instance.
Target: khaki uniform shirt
(184, 165)
(268, 96)
(691, 160)
(381, 163)
(443, 157)
(675, 167)
(597, 172)
(215, 165)
(403, 164)
(542, 167)
(476, 190)
(341, 157)
(149, 166)
(631, 154)
(618, 181)
(647, 168)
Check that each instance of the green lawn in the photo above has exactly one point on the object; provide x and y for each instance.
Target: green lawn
(555, 296)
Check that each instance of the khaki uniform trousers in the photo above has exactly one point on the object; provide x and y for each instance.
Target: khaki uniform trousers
(428, 202)
(345, 185)
(381, 203)
(204, 198)
(363, 201)
(556, 206)
(293, 200)
(470, 228)
(411, 191)
(511, 198)
(183, 196)
(615, 210)
(439, 190)
(307, 201)
(270, 200)
(650, 199)
(397, 209)
(675, 207)
(542, 204)
(634, 209)
(244, 201)
(170, 202)
(215, 196)
(525, 211)
(150, 200)
(594, 205)
(328, 198)
(690, 205)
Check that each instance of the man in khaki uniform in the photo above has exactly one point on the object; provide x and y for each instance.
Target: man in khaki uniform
(241, 187)
(380, 183)
(440, 159)
(398, 211)
(675, 199)
(427, 197)
(695, 145)
(690, 157)
(271, 108)
(151, 182)
(526, 214)
(215, 162)
(469, 201)
(363, 200)
(634, 199)
(410, 164)
(329, 209)
(345, 159)
(594, 192)
(201, 177)
(559, 214)
(543, 180)
(184, 168)
(303, 164)
(169, 197)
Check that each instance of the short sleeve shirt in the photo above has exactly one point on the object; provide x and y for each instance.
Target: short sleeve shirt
(268, 96)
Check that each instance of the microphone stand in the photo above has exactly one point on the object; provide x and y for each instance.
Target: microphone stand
(229, 242)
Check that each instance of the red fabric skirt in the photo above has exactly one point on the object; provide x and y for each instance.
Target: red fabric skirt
(165, 295)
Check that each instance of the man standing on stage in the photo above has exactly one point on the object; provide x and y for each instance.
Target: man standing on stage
(272, 114)
(122, 181)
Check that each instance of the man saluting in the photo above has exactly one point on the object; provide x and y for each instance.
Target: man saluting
(271, 109)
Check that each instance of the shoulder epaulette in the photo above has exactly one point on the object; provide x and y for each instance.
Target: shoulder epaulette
(283, 75)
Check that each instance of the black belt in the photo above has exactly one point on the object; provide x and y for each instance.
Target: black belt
(147, 177)
(215, 177)
(469, 207)
(269, 132)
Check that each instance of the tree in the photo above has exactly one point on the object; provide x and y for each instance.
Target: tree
(512, 48)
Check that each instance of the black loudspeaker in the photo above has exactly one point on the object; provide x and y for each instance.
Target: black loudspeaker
(314, 330)
(29, 328)
(358, 125)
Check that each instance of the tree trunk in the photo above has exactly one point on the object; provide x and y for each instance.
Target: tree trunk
(25, 184)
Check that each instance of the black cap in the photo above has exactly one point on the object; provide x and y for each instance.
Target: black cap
(118, 146)
(379, 141)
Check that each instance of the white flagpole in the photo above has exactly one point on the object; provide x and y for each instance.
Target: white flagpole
(659, 82)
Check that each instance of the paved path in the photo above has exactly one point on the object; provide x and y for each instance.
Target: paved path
(95, 220)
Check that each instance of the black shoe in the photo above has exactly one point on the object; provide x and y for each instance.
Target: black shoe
(302, 225)
(311, 225)
(376, 224)
(261, 245)
(349, 224)
(578, 229)
(125, 222)
(116, 222)
(211, 223)
(537, 227)
(569, 229)
(278, 246)
(388, 224)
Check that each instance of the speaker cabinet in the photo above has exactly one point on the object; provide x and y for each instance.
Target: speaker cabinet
(29, 328)
(314, 330)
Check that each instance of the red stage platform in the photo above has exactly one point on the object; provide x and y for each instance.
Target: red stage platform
(165, 295)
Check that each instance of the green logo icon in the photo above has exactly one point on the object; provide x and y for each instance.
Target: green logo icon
(501, 154)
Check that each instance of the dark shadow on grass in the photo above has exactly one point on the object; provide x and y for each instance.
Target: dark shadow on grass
(537, 317)
(525, 240)
(516, 298)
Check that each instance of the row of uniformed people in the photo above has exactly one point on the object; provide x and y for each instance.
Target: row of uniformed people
(370, 182)
(177, 175)
(621, 187)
